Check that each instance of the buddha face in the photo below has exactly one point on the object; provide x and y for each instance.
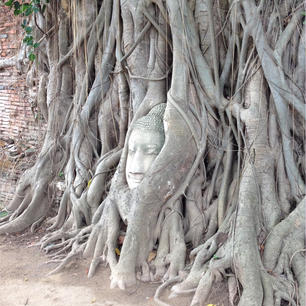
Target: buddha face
(143, 147)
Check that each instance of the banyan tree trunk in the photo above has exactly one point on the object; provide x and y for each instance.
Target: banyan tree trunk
(224, 199)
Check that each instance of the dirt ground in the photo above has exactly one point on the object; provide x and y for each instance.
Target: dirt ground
(24, 281)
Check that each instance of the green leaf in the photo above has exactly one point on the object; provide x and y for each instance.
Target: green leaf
(36, 45)
(16, 5)
(9, 3)
(28, 11)
(32, 57)
(61, 174)
(3, 213)
(25, 6)
(28, 30)
(28, 40)
(17, 12)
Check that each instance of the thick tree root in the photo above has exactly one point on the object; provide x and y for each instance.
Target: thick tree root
(34, 194)
(171, 250)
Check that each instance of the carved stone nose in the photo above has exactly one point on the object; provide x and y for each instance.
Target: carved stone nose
(138, 163)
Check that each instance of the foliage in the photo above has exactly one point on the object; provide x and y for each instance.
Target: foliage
(27, 10)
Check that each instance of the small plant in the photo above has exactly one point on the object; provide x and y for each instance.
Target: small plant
(3, 213)
(26, 9)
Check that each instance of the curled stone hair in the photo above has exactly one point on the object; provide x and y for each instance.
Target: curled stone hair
(153, 121)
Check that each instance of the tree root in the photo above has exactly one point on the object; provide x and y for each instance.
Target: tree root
(61, 235)
(61, 215)
(204, 260)
(76, 253)
(162, 287)
(35, 211)
(294, 222)
(73, 242)
(172, 249)
(203, 289)
(77, 245)
(196, 218)
(34, 193)
(238, 221)
(103, 239)
(37, 224)
(215, 272)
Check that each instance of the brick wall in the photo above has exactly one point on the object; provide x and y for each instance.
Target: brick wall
(17, 122)
(16, 116)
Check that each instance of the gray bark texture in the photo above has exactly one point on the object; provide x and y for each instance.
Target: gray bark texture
(225, 197)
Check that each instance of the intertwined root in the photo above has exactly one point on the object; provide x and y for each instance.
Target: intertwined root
(35, 191)
(29, 206)
(103, 239)
(171, 252)
(213, 259)
(64, 247)
(233, 166)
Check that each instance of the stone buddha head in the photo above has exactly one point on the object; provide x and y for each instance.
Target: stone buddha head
(146, 141)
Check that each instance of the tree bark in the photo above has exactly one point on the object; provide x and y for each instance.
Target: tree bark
(225, 195)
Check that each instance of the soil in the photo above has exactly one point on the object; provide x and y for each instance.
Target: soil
(24, 281)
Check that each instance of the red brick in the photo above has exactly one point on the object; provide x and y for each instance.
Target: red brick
(16, 117)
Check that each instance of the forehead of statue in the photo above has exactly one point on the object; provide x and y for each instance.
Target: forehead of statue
(146, 139)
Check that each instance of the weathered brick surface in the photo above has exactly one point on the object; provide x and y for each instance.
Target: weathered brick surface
(16, 116)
